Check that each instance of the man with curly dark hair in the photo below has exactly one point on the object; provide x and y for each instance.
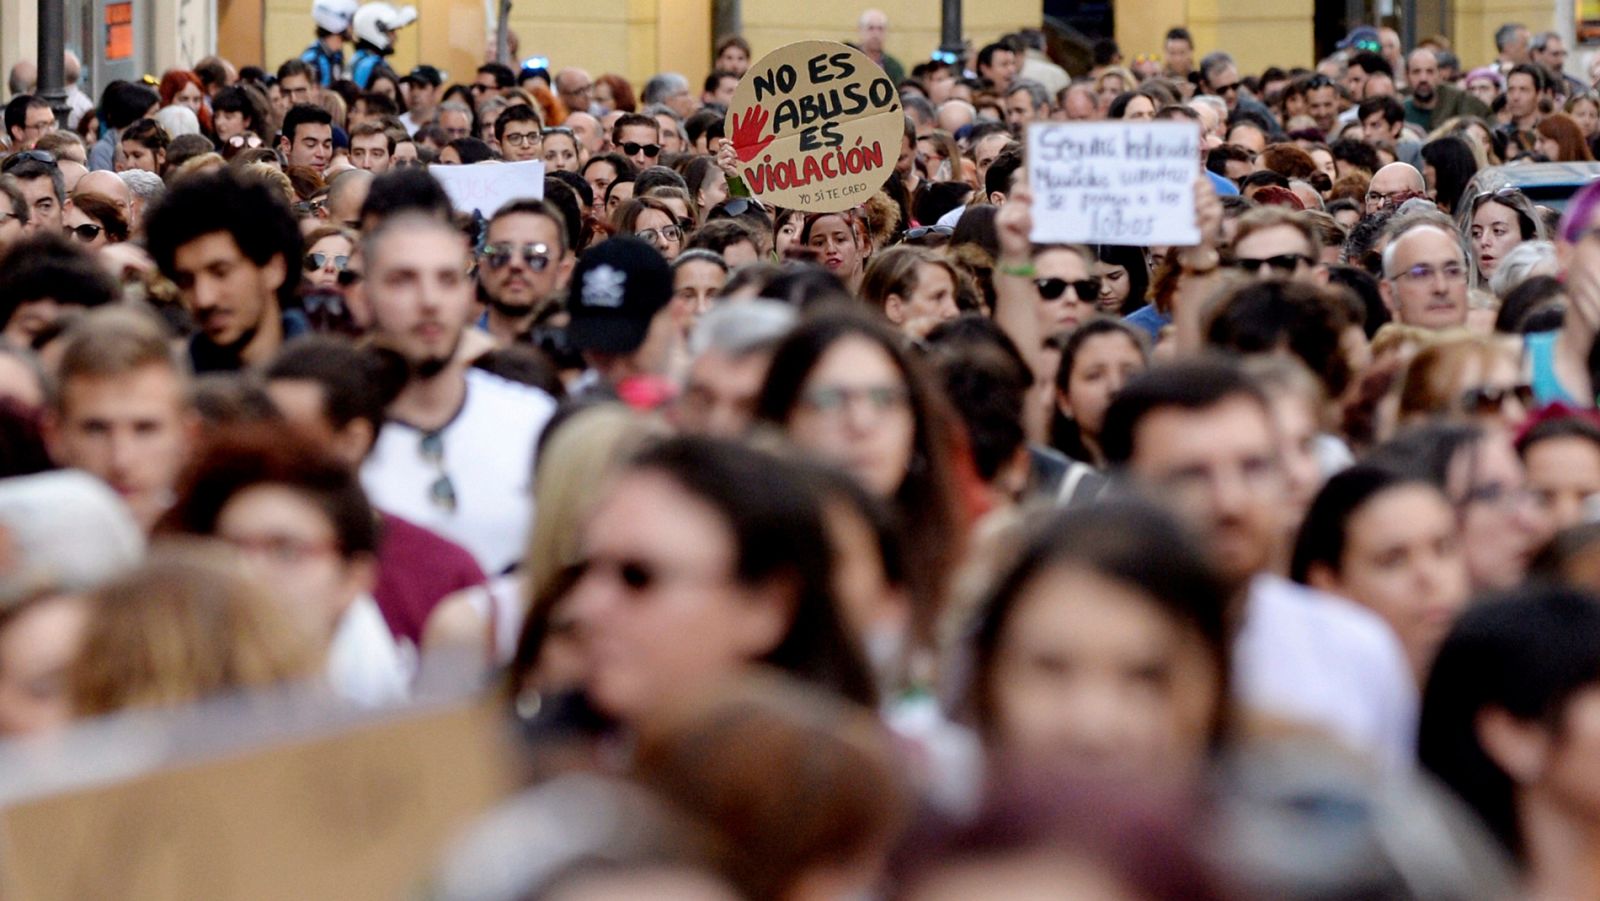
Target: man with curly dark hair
(231, 246)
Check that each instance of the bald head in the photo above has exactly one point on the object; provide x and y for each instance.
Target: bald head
(570, 79)
(346, 195)
(107, 185)
(587, 129)
(871, 28)
(1393, 185)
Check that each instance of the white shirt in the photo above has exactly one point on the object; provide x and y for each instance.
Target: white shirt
(488, 456)
(411, 127)
(365, 664)
(1326, 662)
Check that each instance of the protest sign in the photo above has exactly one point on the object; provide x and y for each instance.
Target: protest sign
(816, 126)
(360, 814)
(486, 187)
(1114, 182)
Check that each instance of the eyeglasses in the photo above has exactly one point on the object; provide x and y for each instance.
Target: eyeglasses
(535, 256)
(241, 141)
(315, 261)
(443, 491)
(348, 278)
(38, 156)
(650, 150)
(834, 399)
(1452, 272)
(282, 550)
(1317, 82)
(86, 232)
(1487, 401)
(310, 207)
(561, 130)
(1394, 199)
(1053, 288)
(522, 139)
(479, 88)
(1225, 88)
(1285, 263)
(1507, 193)
(660, 236)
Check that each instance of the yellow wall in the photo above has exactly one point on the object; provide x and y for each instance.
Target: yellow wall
(913, 24)
(1476, 20)
(1259, 33)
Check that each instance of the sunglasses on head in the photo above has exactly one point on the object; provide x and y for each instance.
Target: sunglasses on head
(85, 232)
(535, 256)
(38, 156)
(315, 261)
(651, 150)
(1053, 288)
(1285, 263)
(923, 231)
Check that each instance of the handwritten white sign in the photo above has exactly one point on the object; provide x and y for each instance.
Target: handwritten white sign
(1114, 182)
(486, 187)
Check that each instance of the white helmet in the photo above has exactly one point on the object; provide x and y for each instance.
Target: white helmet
(333, 15)
(375, 22)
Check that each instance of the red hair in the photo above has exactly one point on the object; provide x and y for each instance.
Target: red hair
(175, 80)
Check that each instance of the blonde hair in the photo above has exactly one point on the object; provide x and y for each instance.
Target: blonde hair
(184, 627)
(205, 162)
(1433, 377)
(573, 469)
(274, 177)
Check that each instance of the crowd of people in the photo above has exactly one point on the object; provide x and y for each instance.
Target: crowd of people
(875, 553)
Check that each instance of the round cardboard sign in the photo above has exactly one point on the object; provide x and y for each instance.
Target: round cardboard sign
(815, 126)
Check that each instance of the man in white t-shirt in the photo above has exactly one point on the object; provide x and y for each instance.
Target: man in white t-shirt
(1199, 438)
(456, 455)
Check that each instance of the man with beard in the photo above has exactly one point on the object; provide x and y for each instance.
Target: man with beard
(1199, 438)
(456, 453)
(1434, 102)
(524, 262)
(232, 247)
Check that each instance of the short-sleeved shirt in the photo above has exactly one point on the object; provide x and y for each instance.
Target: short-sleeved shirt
(469, 481)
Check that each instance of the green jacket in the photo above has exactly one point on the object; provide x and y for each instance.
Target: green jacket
(1449, 102)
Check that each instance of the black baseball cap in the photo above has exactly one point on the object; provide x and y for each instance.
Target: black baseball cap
(429, 74)
(617, 288)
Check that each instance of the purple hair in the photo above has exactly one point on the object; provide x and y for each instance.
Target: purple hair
(1581, 210)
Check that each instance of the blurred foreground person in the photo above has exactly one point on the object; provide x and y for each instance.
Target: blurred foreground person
(184, 627)
(62, 535)
(802, 791)
(1102, 652)
(1390, 542)
(690, 574)
(1199, 438)
(1510, 721)
(302, 524)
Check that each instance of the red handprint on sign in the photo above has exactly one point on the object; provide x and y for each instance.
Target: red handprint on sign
(747, 140)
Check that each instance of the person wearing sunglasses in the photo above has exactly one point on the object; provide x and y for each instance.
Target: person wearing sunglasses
(638, 137)
(651, 220)
(523, 264)
(1470, 377)
(94, 221)
(330, 248)
(1274, 242)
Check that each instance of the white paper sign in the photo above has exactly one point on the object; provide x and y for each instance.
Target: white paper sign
(1114, 182)
(486, 187)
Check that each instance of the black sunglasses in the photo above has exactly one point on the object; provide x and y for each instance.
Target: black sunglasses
(1285, 263)
(499, 256)
(315, 261)
(85, 232)
(348, 277)
(1052, 288)
(733, 207)
(651, 150)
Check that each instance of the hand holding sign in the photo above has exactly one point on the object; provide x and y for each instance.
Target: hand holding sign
(747, 141)
(835, 127)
